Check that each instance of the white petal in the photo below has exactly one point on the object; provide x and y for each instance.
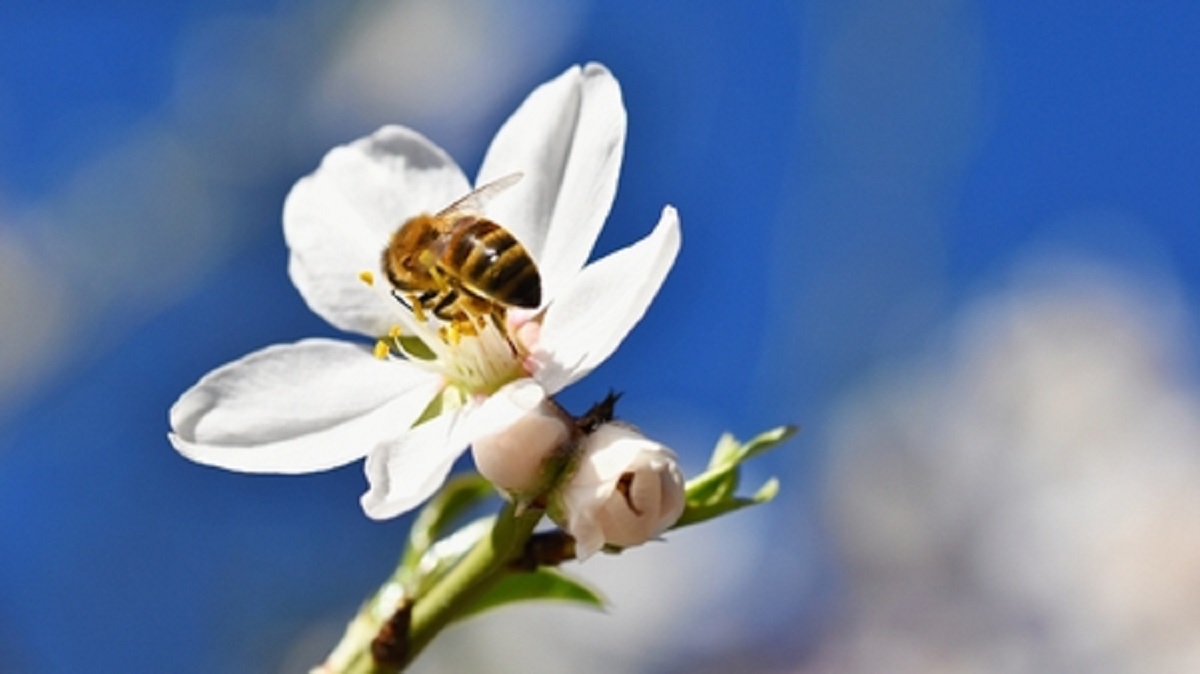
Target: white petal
(403, 472)
(589, 321)
(338, 220)
(298, 408)
(567, 138)
(504, 407)
(586, 531)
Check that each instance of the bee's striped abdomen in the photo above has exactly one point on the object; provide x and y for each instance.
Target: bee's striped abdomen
(489, 261)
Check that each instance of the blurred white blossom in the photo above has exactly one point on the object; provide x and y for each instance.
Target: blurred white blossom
(1028, 499)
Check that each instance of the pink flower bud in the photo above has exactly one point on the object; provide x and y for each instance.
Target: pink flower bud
(515, 458)
(626, 490)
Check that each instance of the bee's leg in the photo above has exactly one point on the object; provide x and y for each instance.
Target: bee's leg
(417, 304)
(400, 298)
(498, 314)
(485, 310)
(447, 300)
(444, 296)
(426, 300)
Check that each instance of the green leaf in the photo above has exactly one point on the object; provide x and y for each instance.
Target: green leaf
(459, 495)
(767, 492)
(764, 442)
(720, 482)
(725, 451)
(543, 583)
(696, 513)
(713, 485)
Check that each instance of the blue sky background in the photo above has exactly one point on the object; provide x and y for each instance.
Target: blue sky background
(852, 178)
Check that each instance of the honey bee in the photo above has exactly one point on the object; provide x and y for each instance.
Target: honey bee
(461, 266)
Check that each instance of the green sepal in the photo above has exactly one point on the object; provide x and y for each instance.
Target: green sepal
(413, 346)
(459, 495)
(544, 583)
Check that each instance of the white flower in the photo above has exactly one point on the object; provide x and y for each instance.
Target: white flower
(626, 490)
(318, 403)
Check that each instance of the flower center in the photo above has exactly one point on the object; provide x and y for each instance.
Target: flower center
(475, 350)
(479, 363)
(476, 360)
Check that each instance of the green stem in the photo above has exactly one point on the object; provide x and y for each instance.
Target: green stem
(484, 566)
(451, 597)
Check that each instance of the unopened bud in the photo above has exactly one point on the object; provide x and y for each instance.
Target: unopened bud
(626, 489)
(520, 459)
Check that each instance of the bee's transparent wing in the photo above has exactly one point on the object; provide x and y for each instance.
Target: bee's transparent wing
(475, 200)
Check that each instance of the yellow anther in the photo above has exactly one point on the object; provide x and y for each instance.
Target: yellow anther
(367, 277)
(381, 350)
(450, 334)
(394, 332)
